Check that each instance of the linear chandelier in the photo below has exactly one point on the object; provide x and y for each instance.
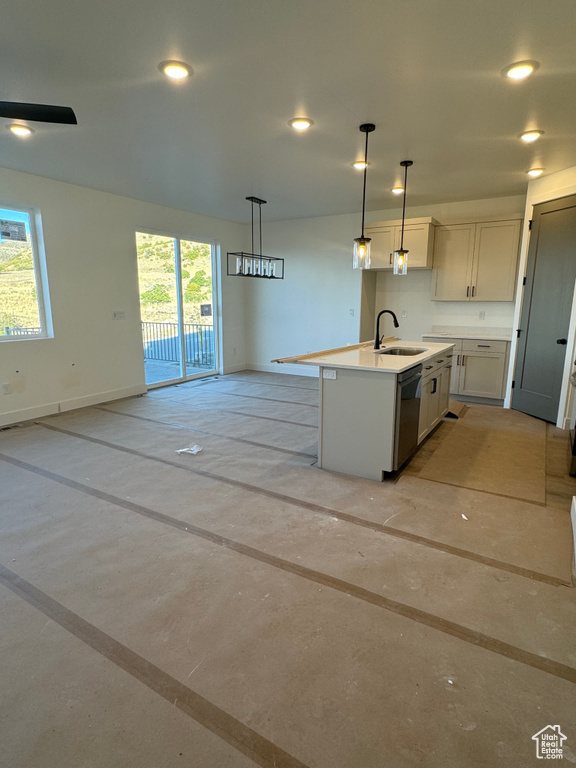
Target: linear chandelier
(243, 264)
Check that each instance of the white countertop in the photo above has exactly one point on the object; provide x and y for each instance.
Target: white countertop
(365, 358)
(480, 336)
(468, 332)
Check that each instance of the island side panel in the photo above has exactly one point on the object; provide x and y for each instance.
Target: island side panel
(357, 422)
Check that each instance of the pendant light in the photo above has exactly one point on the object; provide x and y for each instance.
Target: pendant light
(242, 264)
(401, 255)
(361, 259)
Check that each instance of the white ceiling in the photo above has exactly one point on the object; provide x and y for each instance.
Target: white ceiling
(426, 72)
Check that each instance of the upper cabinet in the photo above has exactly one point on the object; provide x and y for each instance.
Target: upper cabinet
(476, 262)
(418, 241)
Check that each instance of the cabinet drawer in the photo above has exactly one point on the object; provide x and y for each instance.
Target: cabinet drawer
(483, 345)
(431, 366)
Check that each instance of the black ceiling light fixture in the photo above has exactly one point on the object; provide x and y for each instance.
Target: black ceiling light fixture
(401, 255)
(243, 264)
(361, 259)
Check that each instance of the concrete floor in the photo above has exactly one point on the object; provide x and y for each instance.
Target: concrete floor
(242, 607)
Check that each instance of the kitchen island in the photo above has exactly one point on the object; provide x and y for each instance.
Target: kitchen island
(377, 405)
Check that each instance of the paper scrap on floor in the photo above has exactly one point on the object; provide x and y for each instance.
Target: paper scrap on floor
(193, 449)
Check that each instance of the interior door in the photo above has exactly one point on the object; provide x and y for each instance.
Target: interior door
(544, 324)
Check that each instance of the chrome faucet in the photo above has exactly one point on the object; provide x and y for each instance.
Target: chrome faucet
(396, 325)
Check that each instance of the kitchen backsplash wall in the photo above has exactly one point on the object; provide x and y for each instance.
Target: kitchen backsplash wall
(411, 294)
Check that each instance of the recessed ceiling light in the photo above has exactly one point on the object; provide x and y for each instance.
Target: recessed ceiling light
(22, 131)
(520, 69)
(301, 123)
(530, 136)
(176, 70)
(535, 172)
(360, 165)
(397, 190)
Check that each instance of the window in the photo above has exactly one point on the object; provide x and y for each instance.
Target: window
(23, 288)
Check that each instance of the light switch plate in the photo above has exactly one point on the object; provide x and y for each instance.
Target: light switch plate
(328, 373)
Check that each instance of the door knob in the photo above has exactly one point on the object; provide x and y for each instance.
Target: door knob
(560, 341)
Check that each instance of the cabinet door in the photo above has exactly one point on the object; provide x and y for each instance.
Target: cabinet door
(444, 393)
(482, 374)
(455, 373)
(453, 254)
(381, 247)
(425, 405)
(430, 403)
(495, 260)
(419, 242)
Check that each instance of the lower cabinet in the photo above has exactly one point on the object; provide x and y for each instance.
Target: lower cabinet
(434, 396)
(479, 367)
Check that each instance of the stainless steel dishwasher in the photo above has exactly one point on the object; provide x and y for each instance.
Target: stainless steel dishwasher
(407, 414)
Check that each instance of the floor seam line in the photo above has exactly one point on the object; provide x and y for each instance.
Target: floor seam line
(266, 384)
(267, 399)
(417, 615)
(237, 413)
(480, 490)
(204, 432)
(231, 730)
(344, 516)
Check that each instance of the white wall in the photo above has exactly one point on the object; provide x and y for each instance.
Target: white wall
(92, 271)
(541, 190)
(310, 309)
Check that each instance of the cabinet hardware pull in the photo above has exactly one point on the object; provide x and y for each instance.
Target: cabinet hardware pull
(467, 290)
(458, 360)
(390, 258)
(428, 367)
(463, 358)
(483, 345)
(435, 382)
(473, 290)
(440, 361)
(449, 356)
(448, 366)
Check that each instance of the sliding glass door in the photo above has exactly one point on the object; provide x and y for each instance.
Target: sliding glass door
(176, 284)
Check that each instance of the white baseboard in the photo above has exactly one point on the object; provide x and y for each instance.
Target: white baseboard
(48, 409)
(291, 368)
(234, 368)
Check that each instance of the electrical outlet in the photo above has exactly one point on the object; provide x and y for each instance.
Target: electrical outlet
(351, 311)
(6, 389)
(482, 315)
(328, 373)
(119, 314)
(404, 313)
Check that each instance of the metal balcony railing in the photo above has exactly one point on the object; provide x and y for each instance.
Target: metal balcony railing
(162, 342)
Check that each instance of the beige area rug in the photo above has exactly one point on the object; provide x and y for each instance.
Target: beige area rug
(496, 450)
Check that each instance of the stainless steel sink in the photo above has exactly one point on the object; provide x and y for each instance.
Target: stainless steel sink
(407, 351)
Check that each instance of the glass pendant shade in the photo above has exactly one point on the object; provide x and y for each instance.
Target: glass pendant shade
(361, 257)
(400, 262)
